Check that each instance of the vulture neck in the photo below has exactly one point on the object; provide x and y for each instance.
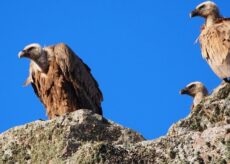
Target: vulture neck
(198, 97)
(212, 19)
(42, 62)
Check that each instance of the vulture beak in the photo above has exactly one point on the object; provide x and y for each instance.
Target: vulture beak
(22, 53)
(194, 13)
(184, 91)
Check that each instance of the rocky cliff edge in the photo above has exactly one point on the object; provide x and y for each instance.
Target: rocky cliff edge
(84, 137)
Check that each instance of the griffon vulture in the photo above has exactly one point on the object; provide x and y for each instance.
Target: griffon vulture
(61, 80)
(197, 90)
(214, 38)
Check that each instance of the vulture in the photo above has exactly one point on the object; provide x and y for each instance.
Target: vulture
(197, 90)
(61, 80)
(214, 38)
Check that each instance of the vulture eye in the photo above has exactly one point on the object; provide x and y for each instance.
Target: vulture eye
(29, 49)
(191, 86)
(202, 7)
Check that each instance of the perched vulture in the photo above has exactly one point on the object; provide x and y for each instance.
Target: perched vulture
(61, 80)
(197, 90)
(214, 38)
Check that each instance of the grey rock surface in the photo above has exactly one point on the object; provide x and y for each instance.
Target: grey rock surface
(84, 137)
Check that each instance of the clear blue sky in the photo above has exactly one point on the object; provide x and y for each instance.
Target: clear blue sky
(141, 53)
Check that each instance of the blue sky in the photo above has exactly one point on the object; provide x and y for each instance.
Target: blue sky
(141, 53)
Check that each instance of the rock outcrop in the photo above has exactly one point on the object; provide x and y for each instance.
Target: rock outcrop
(84, 137)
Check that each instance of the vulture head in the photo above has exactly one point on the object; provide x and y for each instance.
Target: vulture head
(192, 89)
(197, 90)
(205, 10)
(35, 53)
(31, 51)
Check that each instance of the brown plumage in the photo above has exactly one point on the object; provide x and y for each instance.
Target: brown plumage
(214, 38)
(61, 80)
(197, 90)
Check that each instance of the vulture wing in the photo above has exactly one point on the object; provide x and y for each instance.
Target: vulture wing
(215, 47)
(78, 74)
